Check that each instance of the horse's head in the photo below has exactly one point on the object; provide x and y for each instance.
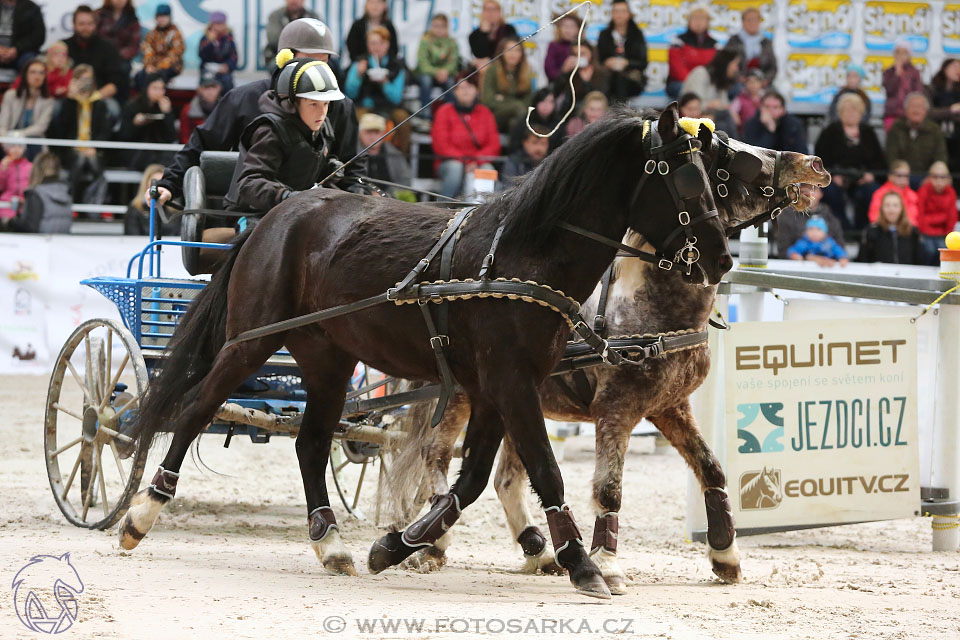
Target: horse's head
(688, 231)
(755, 184)
(770, 481)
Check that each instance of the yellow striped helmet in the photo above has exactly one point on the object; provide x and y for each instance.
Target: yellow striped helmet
(310, 79)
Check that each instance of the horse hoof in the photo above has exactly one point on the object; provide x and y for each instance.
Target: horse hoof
(128, 534)
(138, 520)
(727, 573)
(616, 584)
(545, 563)
(385, 553)
(593, 586)
(428, 560)
(339, 566)
(726, 563)
(551, 568)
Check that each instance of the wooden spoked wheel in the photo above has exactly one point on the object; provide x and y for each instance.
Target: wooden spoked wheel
(97, 382)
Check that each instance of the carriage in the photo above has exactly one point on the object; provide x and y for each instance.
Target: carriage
(112, 363)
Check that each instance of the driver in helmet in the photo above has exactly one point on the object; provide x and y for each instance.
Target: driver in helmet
(306, 37)
(286, 149)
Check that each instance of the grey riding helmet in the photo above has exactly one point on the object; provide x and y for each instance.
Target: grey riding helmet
(309, 79)
(307, 35)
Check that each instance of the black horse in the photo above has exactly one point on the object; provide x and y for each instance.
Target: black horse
(327, 248)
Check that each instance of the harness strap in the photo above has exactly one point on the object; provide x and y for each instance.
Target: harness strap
(424, 263)
(310, 318)
(686, 228)
(446, 267)
(438, 342)
(488, 259)
(582, 385)
(600, 320)
(572, 394)
(636, 253)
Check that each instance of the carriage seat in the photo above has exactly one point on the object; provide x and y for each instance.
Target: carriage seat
(204, 187)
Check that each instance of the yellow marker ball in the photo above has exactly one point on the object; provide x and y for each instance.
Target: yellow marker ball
(953, 241)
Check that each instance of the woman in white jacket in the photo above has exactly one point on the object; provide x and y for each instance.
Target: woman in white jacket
(27, 110)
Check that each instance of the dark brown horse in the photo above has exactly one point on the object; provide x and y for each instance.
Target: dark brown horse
(327, 248)
(642, 301)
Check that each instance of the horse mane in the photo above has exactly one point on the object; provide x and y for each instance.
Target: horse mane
(567, 179)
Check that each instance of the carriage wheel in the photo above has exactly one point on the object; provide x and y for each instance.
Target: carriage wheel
(345, 456)
(92, 399)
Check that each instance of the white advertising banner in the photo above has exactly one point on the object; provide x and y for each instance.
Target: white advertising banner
(42, 300)
(821, 421)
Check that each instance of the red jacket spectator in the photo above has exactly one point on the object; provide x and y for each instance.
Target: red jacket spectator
(690, 50)
(937, 211)
(910, 201)
(464, 136)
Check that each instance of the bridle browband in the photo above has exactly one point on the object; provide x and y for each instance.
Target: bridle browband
(658, 154)
(723, 175)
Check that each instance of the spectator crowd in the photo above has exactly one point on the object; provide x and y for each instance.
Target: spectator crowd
(892, 186)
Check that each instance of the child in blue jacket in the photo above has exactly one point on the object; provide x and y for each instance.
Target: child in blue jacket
(817, 246)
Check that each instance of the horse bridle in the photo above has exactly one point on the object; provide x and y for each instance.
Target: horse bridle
(683, 188)
(724, 173)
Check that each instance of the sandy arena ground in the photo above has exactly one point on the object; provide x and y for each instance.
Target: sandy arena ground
(230, 560)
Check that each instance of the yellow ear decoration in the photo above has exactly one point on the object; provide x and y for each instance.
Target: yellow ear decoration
(283, 57)
(692, 125)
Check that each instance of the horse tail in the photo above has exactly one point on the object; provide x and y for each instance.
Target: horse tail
(400, 495)
(190, 353)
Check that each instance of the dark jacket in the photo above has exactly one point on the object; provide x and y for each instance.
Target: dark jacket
(279, 156)
(883, 245)
(136, 222)
(832, 110)
(790, 134)
(483, 44)
(221, 132)
(390, 164)
(160, 131)
(29, 30)
(357, 39)
(46, 209)
(99, 54)
(123, 33)
(837, 153)
(766, 62)
(65, 125)
(921, 151)
(518, 164)
(631, 81)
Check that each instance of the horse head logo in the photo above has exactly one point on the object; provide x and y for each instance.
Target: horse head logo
(760, 489)
(45, 594)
